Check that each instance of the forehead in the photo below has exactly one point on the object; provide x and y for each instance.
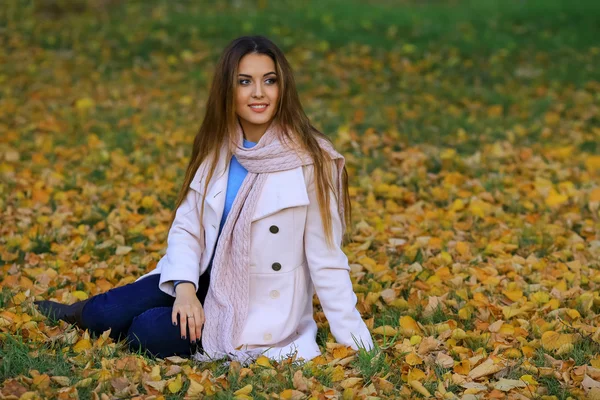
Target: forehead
(256, 64)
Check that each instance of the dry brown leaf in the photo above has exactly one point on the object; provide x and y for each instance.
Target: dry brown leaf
(350, 382)
(428, 345)
(444, 360)
(506, 385)
(300, 382)
(157, 385)
(488, 367)
(176, 360)
(195, 389)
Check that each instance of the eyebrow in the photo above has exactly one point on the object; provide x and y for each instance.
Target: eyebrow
(250, 76)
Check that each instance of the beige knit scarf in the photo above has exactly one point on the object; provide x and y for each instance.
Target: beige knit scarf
(226, 303)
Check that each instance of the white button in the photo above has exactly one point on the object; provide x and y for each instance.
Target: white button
(267, 336)
(274, 294)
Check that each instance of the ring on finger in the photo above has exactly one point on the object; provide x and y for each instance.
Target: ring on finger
(190, 316)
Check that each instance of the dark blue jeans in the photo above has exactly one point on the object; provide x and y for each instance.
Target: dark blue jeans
(141, 313)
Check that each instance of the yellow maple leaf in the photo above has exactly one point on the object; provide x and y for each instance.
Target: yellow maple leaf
(592, 163)
(84, 103)
(195, 389)
(415, 374)
(413, 359)
(552, 340)
(555, 199)
(82, 345)
(408, 326)
(338, 374)
(418, 386)
(528, 379)
(513, 295)
(263, 362)
(595, 195)
(463, 367)
(41, 381)
(463, 248)
(175, 385)
(155, 373)
(80, 295)
(386, 330)
(246, 390)
(540, 297)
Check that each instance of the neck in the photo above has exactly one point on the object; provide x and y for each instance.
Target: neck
(254, 132)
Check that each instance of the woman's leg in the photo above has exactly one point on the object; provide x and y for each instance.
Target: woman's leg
(154, 332)
(117, 307)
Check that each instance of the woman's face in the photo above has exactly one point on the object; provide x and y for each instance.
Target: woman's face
(257, 91)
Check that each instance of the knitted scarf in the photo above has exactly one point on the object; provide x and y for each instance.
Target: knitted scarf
(226, 303)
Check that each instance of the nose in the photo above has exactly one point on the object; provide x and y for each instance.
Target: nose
(257, 91)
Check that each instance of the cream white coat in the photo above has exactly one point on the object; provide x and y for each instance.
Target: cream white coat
(280, 317)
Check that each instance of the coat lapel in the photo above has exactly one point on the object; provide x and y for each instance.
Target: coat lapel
(217, 187)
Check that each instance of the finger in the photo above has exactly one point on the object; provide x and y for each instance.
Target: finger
(183, 324)
(199, 322)
(192, 326)
(174, 316)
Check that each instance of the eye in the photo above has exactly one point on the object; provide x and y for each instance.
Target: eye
(273, 80)
(241, 81)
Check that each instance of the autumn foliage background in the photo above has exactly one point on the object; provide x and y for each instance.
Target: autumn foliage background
(471, 132)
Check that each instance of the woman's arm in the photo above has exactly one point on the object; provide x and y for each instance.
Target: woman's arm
(185, 244)
(329, 272)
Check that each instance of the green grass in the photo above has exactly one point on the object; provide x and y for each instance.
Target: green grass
(371, 363)
(478, 27)
(555, 388)
(17, 359)
(478, 51)
(584, 349)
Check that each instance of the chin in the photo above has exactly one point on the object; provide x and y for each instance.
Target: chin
(259, 121)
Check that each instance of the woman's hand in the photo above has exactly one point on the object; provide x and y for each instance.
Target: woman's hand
(190, 311)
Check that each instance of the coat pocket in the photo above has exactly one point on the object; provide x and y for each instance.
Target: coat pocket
(277, 305)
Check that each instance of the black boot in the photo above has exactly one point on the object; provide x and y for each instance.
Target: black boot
(69, 313)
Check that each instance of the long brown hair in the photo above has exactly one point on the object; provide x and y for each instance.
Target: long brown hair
(220, 119)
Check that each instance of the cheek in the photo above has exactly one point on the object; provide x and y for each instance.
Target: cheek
(274, 94)
(241, 99)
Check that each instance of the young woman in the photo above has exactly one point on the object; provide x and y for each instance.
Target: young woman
(258, 223)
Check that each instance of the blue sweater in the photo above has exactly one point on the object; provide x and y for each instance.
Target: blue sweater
(236, 176)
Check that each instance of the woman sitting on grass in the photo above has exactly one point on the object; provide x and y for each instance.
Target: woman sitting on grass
(273, 191)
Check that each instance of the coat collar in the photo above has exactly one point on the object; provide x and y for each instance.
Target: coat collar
(282, 189)
(217, 186)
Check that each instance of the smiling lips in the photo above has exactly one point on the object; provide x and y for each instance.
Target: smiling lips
(258, 107)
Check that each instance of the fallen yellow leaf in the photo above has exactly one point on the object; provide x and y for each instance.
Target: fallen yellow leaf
(246, 390)
(264, 362)
(386, 330)
(419, 388)
(175, 385)
(408, 326)
(413, 359)
(82, 345)
(553, 340)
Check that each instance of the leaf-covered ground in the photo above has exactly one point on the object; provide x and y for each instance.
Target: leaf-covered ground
(472, 136)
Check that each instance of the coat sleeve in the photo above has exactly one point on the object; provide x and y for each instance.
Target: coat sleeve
(329, 272)
(185, 244)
